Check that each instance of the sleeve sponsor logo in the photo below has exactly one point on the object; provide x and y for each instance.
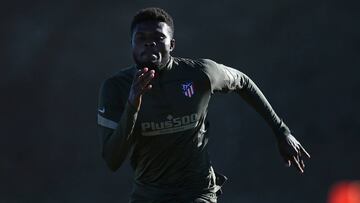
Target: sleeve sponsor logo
(101, 109)
(171, 125)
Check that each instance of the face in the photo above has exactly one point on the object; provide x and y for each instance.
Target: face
(152, 43)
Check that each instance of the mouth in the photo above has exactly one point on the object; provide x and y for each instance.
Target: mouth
(150, 56)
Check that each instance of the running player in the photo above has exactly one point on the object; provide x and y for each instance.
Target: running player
(156, 111)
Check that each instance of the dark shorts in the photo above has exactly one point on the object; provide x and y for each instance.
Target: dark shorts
(145, 194)
(209, 197)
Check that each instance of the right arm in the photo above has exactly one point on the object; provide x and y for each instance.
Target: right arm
(116, 121)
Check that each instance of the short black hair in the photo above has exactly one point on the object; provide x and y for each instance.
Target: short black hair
(152, 13)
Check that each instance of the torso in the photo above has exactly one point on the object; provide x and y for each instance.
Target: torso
(171, 144)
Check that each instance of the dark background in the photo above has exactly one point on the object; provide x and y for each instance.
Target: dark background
(304, 55)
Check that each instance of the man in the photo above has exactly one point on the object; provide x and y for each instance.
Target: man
(157, 108)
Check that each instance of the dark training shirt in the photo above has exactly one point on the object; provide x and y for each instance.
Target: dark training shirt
(168, 136)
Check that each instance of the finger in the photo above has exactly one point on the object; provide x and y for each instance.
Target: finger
(148, 76)
(143, 79)
(293, 146)
(303, 150)
(146, 73)
(301, 161)
(138, 76)
(148, 87)
(141, 71)
(288, 163)
(144, 83)
(297, 164)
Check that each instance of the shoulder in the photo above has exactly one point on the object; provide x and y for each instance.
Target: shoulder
(194, 67)
(123, 77)
(118, 84)
(201, 62)
(204, 65)
(207, 62)
(201, 65)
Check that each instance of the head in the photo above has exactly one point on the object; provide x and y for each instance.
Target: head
(152, 38)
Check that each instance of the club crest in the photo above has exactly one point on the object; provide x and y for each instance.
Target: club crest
(188, 89)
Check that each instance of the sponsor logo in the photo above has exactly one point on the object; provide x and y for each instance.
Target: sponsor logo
(171, 125)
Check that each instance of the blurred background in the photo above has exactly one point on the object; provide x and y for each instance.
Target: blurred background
(304, 55)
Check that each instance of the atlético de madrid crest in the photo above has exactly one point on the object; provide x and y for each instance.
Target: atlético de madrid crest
(188, 89)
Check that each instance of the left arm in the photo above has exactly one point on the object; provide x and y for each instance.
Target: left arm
(225, 79)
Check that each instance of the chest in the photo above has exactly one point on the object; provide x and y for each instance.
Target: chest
(175, 100)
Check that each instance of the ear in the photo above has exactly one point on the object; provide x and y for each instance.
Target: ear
(172, 45)
(131, 41)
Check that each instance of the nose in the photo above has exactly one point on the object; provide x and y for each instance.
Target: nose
(150, 44)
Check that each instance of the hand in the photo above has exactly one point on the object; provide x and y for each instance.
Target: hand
(140, 84)
(292, 152)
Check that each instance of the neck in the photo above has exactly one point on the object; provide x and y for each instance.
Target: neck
(166, 65)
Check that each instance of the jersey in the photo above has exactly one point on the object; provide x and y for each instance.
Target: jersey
(168, 136)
